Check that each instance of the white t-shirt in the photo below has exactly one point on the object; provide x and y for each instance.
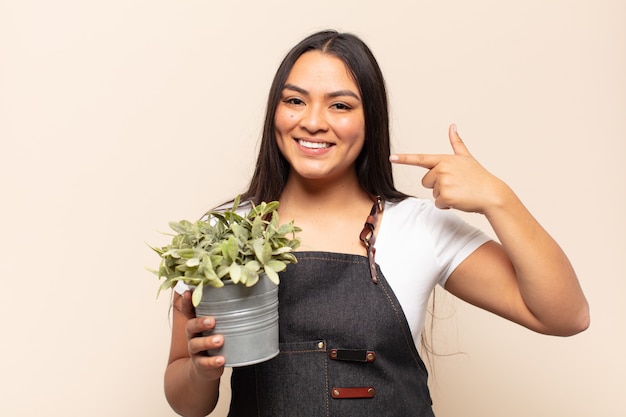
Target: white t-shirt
(417, 247)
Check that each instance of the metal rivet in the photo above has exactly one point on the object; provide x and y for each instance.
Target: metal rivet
(333, 354)
(370, 391)
(320, 345)
(336, 392)
(370, 356)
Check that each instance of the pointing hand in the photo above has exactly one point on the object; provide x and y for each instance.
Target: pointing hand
(457, 180)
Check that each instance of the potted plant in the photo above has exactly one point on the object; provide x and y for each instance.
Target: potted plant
(232, 261)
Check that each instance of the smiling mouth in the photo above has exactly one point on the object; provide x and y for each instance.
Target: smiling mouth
(313, 145)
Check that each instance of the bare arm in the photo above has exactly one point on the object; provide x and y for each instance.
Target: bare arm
(527, 279)
(192, 378)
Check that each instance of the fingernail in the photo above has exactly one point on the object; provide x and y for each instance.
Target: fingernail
(208, 322)
(216, 339)
(219, 361)
(393, 158)
(454, 128)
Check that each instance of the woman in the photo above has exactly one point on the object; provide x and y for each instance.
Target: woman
(353, 306)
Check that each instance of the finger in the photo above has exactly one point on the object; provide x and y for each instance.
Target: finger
(442, 206)
(186, 306)
(211, 363)
(199, 325)
(458, 146)
(428, 161)
(199, 345)
(430, 180)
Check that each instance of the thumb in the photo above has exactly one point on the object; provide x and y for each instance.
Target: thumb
(458, 146)
(187, 306)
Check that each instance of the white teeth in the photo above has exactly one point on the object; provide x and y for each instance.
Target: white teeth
(313, 145)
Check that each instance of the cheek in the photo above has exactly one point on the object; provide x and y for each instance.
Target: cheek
(284, 120)
(351, 129)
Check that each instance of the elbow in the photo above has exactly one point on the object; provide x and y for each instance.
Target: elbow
(583, 322)
(574, 329)
(576, 323)
(583, 319)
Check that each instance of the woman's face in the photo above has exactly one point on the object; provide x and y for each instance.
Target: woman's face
(320, 127)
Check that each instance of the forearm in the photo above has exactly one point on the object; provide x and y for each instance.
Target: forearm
(546, 279)
(187, 392)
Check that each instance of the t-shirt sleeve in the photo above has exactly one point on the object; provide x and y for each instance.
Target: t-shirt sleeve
(181, 287)
(453, 240)
(418, 247)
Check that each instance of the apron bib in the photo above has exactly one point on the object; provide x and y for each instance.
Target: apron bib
(346, 349)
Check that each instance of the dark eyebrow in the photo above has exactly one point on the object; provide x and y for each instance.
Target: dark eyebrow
(331, 95)
(296, 89)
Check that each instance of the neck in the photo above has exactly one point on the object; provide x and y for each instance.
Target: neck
(299, 192)
(331, 215)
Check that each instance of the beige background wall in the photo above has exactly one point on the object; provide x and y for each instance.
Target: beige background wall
(118, 116)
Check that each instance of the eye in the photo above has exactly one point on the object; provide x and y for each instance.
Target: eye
(293, 100)
(341, 106)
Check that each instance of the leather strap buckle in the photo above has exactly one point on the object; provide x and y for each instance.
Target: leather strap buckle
(368, 237)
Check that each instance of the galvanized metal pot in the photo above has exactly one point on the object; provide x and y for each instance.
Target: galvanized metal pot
(247, 317)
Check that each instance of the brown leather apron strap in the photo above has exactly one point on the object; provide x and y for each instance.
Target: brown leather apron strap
(352, 355)
(368, 238)
(353, 392)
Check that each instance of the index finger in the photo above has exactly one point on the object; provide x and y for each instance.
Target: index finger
(428, 161)
(195, 327)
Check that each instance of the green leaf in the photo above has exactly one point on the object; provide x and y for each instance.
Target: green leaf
(224, 250)
(158, 250)
(281, 250)
(258, 227)
(235, 272)
(272, 227)
(186, 253)
(253, 278)
(286, 228)
(236, 202)
(262, 250)
(196, 296)
(192, 262)
(223, 270)
(289, 258)
(272, 275)
(171, 253)
(179, 227)
(253, 265)
(233, 247)
(271, 206)
(276, 265)
(167, 284)
(206, 268)
(216, 283)
(240, 232)
(216, 259)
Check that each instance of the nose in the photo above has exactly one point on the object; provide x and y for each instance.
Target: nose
(314, 119)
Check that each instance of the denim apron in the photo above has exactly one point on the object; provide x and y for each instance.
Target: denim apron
(346, 349)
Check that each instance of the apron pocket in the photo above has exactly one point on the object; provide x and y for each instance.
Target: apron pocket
(296, 379)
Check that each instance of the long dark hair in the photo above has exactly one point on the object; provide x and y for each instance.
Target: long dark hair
(373, 168)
